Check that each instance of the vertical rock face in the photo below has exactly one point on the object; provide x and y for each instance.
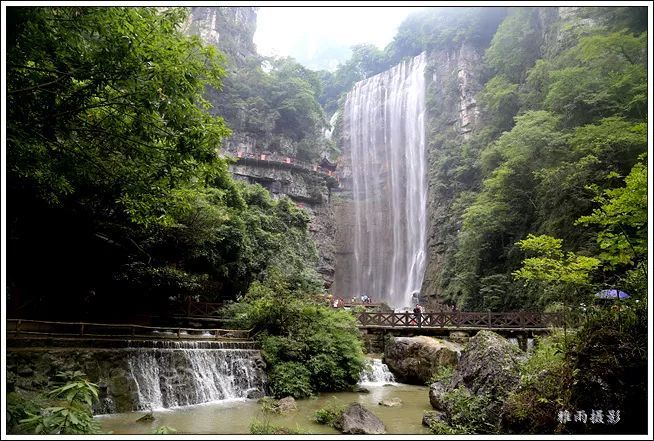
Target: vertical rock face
(454, 81)
(383, 122)
(231, 29)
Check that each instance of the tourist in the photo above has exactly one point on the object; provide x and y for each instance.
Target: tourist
(418, 313)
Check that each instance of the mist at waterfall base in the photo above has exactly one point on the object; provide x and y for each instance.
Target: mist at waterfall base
(235, 416)
(384, 123)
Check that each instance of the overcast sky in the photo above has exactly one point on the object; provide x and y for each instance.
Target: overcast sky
(319, 36)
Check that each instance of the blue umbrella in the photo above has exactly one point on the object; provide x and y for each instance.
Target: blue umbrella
(611, 294)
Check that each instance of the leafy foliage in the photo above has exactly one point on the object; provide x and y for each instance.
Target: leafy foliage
(164, 430)
(309, 347)
(68, 409)
(467, 413)
(562, 120)
(110, 138)
(330, 412)
(544, 389)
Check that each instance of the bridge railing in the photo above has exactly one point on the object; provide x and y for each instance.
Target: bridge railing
(461, 319)
(26, 328)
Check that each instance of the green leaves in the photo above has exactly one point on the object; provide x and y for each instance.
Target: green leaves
(552, 265)
(622, 218)
(69, 410)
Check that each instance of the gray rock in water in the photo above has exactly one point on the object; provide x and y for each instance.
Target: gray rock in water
(433, 416)
(147, 417)
(415, 360)
(436, 396)
(254, 394)
(356, 419)
(488, 365)
(360, 390)
(286, 405)
(393, 402)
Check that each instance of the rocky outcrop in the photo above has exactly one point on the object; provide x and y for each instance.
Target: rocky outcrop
(431, 417)
(310, 191)
(356, 419)
(488, 365)
(453, 113)
(231, 29)
(415, 360)
(393, 402)
(437, 393)
(286, 405)
(488, 370)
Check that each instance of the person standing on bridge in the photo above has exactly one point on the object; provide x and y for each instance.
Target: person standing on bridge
(418, 313)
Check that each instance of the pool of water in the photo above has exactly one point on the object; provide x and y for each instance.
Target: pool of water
(235, 417)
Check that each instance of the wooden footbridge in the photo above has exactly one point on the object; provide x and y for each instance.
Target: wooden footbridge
(455, 320)
(21, 332)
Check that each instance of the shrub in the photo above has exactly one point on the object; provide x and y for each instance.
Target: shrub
(308, 347)
(329, 413)
(265, 427)
(442, 374)
(290, 378)
(544, 389)
(468, 413)
(68, 409)
(164, 430)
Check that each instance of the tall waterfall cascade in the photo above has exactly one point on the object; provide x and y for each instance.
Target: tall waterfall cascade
(384, 121)
(185, 373)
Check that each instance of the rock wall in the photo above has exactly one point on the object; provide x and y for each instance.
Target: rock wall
(231, 29)
(456, 79)
(310, 191)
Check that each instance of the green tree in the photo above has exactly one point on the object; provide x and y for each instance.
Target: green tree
(308, 346)
(622, 219)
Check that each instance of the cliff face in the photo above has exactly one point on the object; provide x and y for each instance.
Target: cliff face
(230, 29)
(455, 80)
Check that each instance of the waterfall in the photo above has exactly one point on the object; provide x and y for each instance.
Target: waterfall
(183, 373)
(376, 373)
(384, 120)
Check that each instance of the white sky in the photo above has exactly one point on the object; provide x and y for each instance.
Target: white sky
(283, 30)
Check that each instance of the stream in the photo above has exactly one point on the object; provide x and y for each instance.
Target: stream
(234, 416)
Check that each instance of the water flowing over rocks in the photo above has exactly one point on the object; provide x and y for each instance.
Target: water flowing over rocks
(356, 419)
(166, 374)
(414, 360)
(376, 373)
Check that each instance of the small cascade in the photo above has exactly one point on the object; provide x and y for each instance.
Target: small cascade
(179, 373)
(376, 373)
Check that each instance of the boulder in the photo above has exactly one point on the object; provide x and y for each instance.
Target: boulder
(360, 389)
(393, 402)
(356, 419)
(436, 396)
(415, 360)
(286, 405)
(488, 365)
(433, 416)
(254, 394)
(147, 417)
